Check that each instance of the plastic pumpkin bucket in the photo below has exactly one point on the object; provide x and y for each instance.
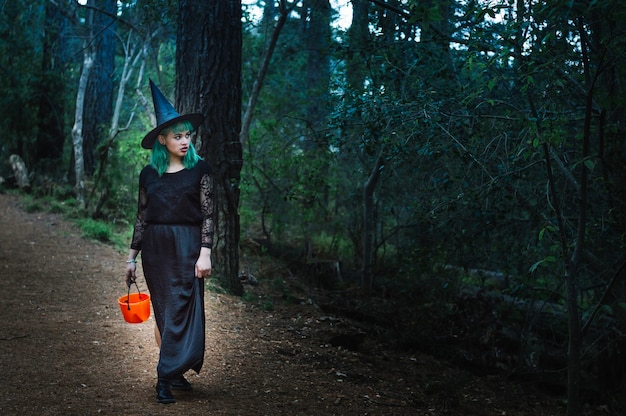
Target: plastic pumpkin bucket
(135, 307)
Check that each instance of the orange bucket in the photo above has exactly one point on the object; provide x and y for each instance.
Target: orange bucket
(135, 306)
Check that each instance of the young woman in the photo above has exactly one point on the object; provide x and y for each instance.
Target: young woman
(174, 232)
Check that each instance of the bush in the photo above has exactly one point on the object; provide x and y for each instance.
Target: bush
(96, 230)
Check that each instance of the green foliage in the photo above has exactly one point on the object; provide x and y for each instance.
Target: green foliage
(95, 230)
(265, 302)
(460, 127)
(117, 189)
(458, 101)
(268, 305)
(463, 180)
(249, 297)
(33, 206)
(51, 204)
(20, 67)
(213, 285)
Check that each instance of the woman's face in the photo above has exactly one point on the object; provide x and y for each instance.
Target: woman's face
(177, 144)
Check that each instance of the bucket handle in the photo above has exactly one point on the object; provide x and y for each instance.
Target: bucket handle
(128, 296)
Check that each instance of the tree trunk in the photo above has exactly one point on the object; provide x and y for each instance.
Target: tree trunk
(77, 129)
(51, 127)
(99, 92)
(258, 82)
(367, 267)
(208, 63)
(134, 56)
(317, 41)
(316, 38)
(574, 347)
(20, 172)
(358, 37)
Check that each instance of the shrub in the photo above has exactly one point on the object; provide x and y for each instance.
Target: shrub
(96, 230)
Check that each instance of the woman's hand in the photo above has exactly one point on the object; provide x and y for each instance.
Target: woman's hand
(131, 270)
(203, 265)
(131, 267)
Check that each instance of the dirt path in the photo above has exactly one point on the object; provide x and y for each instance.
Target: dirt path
(65, 349)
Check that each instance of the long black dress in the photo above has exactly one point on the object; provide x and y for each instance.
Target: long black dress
(174, 220)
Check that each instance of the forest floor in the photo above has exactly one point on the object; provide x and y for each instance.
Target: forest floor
(66, 350)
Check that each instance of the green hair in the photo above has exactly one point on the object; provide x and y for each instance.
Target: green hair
(159, 158)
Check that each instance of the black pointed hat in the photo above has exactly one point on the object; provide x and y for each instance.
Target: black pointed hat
(166, 116)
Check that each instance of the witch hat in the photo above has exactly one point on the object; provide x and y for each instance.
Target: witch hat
(166, 116)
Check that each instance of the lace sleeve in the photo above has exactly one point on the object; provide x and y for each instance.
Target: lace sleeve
(140, 221)
(206, 206)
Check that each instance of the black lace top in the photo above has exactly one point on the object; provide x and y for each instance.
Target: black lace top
(184, 197)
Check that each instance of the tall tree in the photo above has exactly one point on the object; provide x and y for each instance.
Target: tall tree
(285, 9)
(316, 38)
(358, 36)
(51, 129)
(316, 17)
(77, 128)
(208, 64)
(21, 27)
(99, 94)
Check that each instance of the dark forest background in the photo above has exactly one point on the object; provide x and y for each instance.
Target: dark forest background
(452, 172)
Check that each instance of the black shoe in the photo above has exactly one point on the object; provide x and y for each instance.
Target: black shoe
(163, 393)
(181, 383)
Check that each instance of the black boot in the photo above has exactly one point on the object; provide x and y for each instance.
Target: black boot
(164, 393)
(181, 383)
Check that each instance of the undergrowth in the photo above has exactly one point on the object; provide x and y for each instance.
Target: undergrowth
(115, 233)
